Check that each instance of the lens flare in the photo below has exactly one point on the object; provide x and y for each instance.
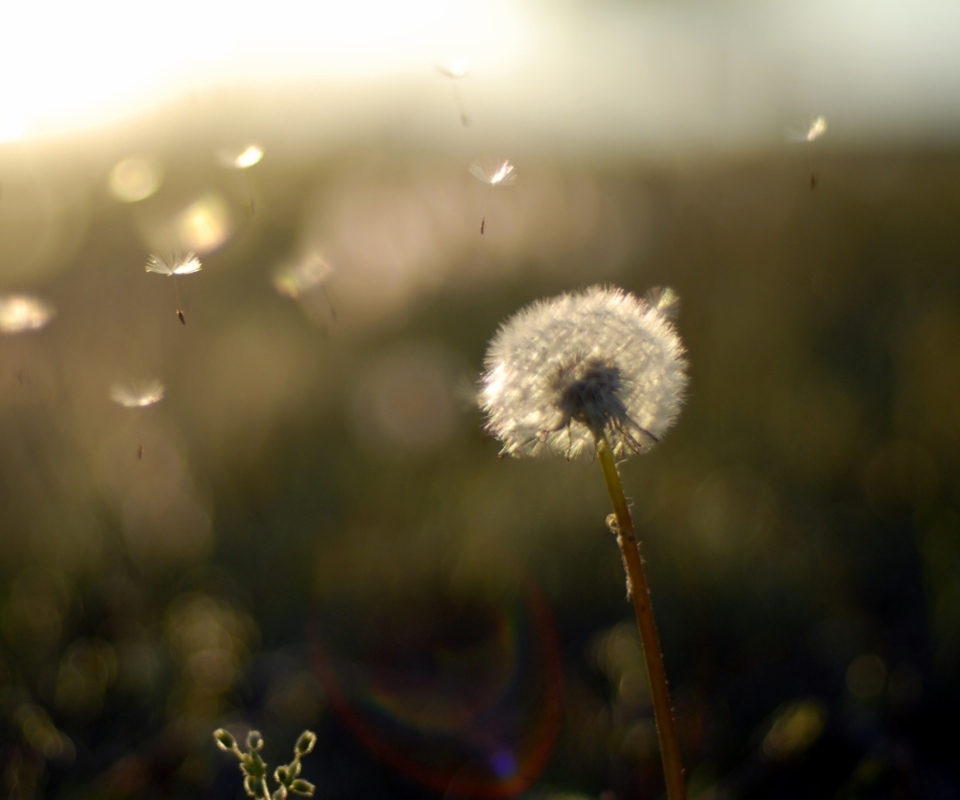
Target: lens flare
(471, 713)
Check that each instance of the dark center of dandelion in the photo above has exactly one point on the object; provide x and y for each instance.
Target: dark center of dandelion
(589, 393)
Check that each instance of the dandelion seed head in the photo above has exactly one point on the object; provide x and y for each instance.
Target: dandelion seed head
(137, 395)
(21, 312)
(501, 173)
(561, 371)
(173, 264)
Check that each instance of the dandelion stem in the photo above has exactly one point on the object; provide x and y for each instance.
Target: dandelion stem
(640, 595)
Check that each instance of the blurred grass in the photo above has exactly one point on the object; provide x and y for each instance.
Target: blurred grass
(800, 518)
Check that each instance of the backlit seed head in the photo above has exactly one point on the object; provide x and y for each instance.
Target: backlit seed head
(563, 371)
(173, 264)
(137, 395)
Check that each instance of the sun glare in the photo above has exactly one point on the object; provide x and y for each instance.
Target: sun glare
(108, 59)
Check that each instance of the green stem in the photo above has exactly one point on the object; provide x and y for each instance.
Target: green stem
(640, 595)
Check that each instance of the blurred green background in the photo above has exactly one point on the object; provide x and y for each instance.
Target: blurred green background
(319, 535)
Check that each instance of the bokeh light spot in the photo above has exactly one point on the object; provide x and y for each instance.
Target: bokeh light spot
(405, 403)
(866, 676)
(135, 179)
(204, 225)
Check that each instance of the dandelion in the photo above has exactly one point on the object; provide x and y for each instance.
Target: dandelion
(564, 372)
(600, 374)
(456, 71)
(817, 129)
(501, 173)
(241, 159)
(174, 265)
(139, 395)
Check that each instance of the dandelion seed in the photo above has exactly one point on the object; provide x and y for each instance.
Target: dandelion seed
(304, 279)
(21, 312)
(456, 71)
(241, 159)
(139, 395)
(501, 173)
(562, 372)
(303, 276)
(817, 129)
(174, 265)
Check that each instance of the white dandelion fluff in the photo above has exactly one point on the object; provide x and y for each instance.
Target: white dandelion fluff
(242, 157)
(137, 395)
(815, 131)
(456, 71)
(817, 128)
(21, 312)
(564, 371)
(173, 264)
(499, 173)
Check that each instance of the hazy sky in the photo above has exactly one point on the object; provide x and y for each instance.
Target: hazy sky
(651, 75)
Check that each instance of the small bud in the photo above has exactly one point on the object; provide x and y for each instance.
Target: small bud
(305, 743)
(252, 764)
(251, 786)
(283, 775)
(255, 740)
(303, 787)
(280, 794)
(224, 740)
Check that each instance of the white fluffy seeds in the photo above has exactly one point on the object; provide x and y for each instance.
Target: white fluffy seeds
(563, 371)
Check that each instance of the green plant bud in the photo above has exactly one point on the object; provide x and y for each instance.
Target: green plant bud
(251, 786)
(305, 743)
(303, 787)
(280, 794)
(255, 740)
(253, 765)
(283, 775)
(224, 740)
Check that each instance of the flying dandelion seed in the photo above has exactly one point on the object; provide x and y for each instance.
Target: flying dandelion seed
(174, 265)
(139, 395)
(500, 173)
(816, 130)
(305, 277)
(456, 71)
(21, 312)
(241, 159)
